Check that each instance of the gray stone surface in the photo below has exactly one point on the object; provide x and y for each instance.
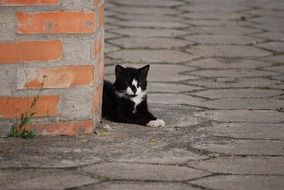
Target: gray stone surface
(174, 99)
(246, 130)
(152, 56)
(249, 116)
(220, 63)
(212, 15)
(244, 147)
(275, 59)
(142, 10)
(270, 35)
(238, 93)
(223, 40)
(110, 48)
(46, 152)
(263, 165)
(227, 51)
(171, 87)
(279, 69)
(248, 104)
(150, 24)
(138, 186)
(209, 7)
(227, 30)
(216, 79)
(152, 43)
(43, 179)
(231, 73)
(154, 3)
(236, 182)
(273, 46)
(124, 171)
(166, 73)
(143, 32)
(148, 17)
(262, 83)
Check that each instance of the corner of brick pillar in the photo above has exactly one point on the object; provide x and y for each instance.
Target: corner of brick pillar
(61, 48)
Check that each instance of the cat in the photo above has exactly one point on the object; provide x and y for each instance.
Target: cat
(125, 100)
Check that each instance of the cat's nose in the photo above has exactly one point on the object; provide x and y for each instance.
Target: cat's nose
(133, 88)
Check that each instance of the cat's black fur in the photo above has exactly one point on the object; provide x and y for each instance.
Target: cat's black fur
(117, 103)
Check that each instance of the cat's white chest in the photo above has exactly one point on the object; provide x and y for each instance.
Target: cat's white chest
(137, 100)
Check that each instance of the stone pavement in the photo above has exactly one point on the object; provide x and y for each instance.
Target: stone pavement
(216, 78)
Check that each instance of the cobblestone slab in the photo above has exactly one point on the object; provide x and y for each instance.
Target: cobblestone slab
(123, 171)
(227, 30)
(227, 51)
(246, 130)
(238, 93)
(242, 165)
(223, 40)
(148, 17)
(219, 63)
(244, 147)
(153, 43)
(273, 46)
(143, 32)
(166, 73)
(43, 179)
(235, 182)
(262, 83)
(270, 35)
(276, 59)
(174, 99)
(279, 69)
(231, 73)
(151, 24)
(248, 104)
(212, 15)
(46, 153)
(143, 10)
(159, 3)
(255, 116)
(171, 87)
(152, 56)
(138, 186)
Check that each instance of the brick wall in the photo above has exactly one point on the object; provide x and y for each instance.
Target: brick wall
(60, 43)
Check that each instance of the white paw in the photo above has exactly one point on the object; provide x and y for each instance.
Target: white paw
(156, 123)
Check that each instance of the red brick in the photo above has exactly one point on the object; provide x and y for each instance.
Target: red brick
(59, 77)
(97, 98)
(101, 16)
(98, 45)
(26, 51)
(56, 22)
(97, 2)
(13, 107)
(100, 68)
(70, 128)
(27, 2)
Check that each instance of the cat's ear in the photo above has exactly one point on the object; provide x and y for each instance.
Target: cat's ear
(144, 70)
(119, 70)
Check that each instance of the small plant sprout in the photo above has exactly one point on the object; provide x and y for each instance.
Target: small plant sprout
(19, 129)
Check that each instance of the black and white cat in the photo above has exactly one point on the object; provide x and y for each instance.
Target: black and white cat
(126, 99)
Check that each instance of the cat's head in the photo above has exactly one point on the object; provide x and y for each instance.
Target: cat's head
(130, 81)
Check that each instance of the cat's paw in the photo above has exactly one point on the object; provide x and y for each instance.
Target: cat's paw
(156, 123)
